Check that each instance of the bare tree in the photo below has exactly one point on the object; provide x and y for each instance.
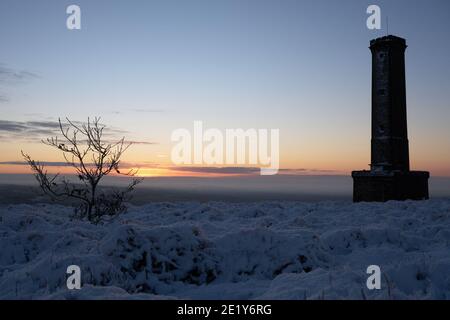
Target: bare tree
(92, 157)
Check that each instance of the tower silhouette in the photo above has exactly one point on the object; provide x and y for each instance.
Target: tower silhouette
(389, 177)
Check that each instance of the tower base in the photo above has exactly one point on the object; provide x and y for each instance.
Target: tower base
(373, 186)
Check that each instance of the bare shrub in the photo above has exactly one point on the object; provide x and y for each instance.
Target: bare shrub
(92, 157)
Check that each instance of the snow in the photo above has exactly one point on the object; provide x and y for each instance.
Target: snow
(225, 250)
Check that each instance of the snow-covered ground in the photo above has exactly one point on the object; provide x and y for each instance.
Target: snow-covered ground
(218, 250)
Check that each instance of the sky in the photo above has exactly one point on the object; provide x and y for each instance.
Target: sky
(150, 67)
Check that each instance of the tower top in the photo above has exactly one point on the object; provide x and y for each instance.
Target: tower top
(388, 41)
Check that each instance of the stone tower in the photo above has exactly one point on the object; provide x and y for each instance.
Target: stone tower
(389, 177)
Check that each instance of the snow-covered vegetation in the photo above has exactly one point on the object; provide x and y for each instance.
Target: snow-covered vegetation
(218, 250)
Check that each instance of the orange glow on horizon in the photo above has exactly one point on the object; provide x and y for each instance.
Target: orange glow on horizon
(142, 172)
(147, 172)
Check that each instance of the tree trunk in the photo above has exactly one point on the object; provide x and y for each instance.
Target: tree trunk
(92, 202)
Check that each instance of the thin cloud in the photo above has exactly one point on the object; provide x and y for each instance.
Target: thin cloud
(201, 170)
(17, 126)
(3, 99)
(123, 165)
(248, 170)
(44, 163)
(12, 126)
(220, 170)
(145, 164)
(35, 131)
(141, 142)
(44, 124)
(11, 76)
